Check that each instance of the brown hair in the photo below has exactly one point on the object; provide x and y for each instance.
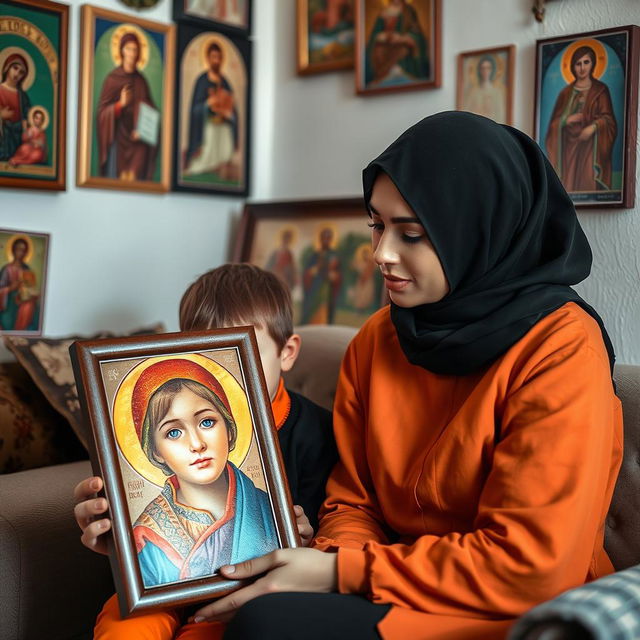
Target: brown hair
(238, 293)
(159, 405)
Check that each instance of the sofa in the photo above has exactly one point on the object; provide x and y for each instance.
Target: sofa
(52, 587)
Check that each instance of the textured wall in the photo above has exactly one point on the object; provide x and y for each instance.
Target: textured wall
(323, 134)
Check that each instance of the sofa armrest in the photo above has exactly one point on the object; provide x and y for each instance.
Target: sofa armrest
(52, 587)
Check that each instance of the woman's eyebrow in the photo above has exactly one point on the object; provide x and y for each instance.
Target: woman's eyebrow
(166, 422)
(402, 219)
(197, 413)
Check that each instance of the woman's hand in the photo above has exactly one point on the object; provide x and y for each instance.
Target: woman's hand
(87, 508)
(284, 570)
(305, 530)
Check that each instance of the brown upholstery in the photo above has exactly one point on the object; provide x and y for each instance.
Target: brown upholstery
(51, 587)
(622, 535)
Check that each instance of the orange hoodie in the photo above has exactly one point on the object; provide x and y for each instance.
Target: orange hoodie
(464, 501)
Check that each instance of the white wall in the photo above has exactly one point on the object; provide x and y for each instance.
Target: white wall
(119, 260)
(325, 134)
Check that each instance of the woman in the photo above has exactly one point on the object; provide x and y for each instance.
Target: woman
(487, 98)
(397, 48)
(582, 129)
(14, 104)
(476, 420)
(209, 513)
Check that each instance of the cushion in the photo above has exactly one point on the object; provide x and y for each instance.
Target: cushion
(605, 609)
(48, 363)
(32, 433)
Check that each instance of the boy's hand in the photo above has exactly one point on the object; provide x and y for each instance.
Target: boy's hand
(304, 528)
(87, 508)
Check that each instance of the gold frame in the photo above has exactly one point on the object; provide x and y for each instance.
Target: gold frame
(83, 177)
(510, 50)
(304, 67)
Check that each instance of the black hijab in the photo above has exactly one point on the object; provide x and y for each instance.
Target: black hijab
(505, 231)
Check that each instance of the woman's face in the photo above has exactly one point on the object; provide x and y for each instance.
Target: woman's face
(583, 67)
(485, 70)
(130, 54)
(412, 271)
(15, 74)
(192, 439)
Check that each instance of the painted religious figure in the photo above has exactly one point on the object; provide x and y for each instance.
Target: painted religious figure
(183, 423)
(234, 14)
(125, 111)
(22, 280)
(32, 86)
(326, 35)
(213, 115)
(580, 122)
(282, 262)
(485, 81)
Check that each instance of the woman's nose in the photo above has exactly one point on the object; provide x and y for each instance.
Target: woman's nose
(384, 252)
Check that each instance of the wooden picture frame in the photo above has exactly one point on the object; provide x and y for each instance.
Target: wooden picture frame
(485, 82)
(33, 38)
(213, 119)
(124, 138)
(24, 265)
(398, 46)
(586, 113)
(145, 399)
(325, 36)
(322, 250)
(232, 17)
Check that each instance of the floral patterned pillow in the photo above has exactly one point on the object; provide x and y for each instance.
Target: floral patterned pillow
(48, 363)
(32, 433)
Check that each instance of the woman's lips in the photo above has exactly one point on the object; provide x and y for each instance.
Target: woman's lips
(394, 283)
(202, 463)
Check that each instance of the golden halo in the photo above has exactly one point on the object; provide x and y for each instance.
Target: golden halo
(11, 240)
(220, 41)
(38, 107)
(320, 228)
(126, 433)
(122, 30)
(601, 58)
(365, 252)
(31, 73)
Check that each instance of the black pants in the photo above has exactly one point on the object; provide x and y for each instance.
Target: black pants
(312, 616)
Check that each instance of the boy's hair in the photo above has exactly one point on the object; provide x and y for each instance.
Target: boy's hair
(238, 293)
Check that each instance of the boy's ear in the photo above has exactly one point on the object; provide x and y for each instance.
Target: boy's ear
(290, 351)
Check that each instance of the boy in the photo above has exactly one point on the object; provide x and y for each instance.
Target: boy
(234, 295)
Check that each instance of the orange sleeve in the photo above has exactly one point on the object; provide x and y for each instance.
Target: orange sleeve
(351, 514)
(540, 512)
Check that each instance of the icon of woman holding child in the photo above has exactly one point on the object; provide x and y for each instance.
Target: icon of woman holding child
(209, 513)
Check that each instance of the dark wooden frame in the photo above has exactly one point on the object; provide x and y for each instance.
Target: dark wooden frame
(435, 49)
(629, 128)
(86, 358)
(86, 123)
(303, 66)
(60, 182)
(186, 33)
(510, 50)
(43, 288)
(180, 15)
(288, 211)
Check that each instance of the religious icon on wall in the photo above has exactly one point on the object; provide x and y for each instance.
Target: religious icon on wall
(212, 112)
(233, 16)
(182, 510)
(22, 281)
(397, 45)
(126, 102)
(485, 83)
(326, 35)
(586, 113)
(322, 250)
(33, 86)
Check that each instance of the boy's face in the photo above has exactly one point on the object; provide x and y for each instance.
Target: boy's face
(271, 358)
